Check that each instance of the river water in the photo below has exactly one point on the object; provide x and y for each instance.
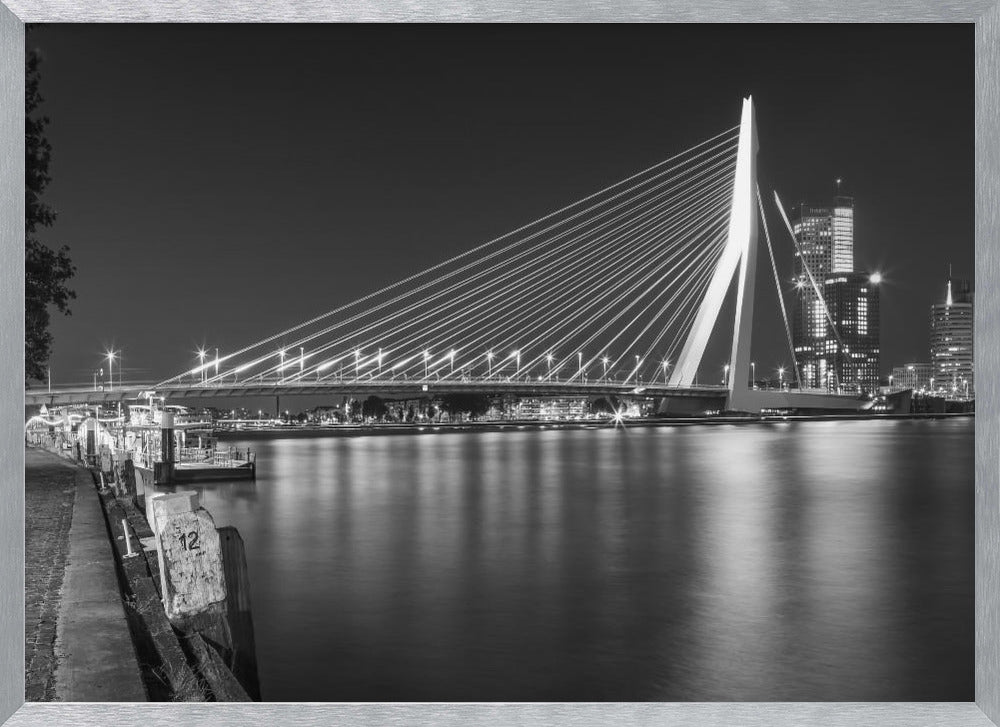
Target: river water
(786, 561)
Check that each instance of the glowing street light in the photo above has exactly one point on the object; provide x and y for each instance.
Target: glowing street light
(725, 374)
(666, 365)
(579, 363)
(875, 278)
(427, 356)
(605, 360)
(302, 359)
(548, 360)
(111, 377)
(281, 367)
(451, 356)
(489, 364)
(357, 362)
(637, 362)
(781, 377)
(753, 374)
(216, 365)
(517, 358)
(201, 362)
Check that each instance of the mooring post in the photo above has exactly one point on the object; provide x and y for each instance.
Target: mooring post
(165, 473)
(238, 612)
(91, 439)
(192, 579)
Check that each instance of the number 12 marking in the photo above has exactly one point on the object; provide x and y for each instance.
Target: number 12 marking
(189, 541)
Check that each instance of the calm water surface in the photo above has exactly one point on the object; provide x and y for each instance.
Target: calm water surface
(786, 561)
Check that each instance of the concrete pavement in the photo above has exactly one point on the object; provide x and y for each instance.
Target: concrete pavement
(92, 657)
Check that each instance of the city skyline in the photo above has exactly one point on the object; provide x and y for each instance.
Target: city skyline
(219, 259)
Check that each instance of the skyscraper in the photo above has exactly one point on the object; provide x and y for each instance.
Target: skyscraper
(851, 354)
(832, 358)
(951, 341)
(826, 238)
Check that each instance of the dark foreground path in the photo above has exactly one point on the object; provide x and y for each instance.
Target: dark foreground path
(77, 642)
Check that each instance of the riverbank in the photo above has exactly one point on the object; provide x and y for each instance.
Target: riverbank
(77, 641)
(354, 430)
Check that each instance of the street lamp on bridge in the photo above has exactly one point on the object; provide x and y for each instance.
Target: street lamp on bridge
(605, 360)
(666, 365)
(548, 360)
(111, 377)
(201, 363)
(781, 377)
(753, 374)
(427, 356)
(725, 374)
(489, 364)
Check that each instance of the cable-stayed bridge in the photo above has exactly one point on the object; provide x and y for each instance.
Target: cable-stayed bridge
(617, 293)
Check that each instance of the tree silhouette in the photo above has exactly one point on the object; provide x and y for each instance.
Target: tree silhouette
(475, 405)
(373, 407)
(46, 271)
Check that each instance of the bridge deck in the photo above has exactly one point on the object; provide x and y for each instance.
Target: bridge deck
(384, 388)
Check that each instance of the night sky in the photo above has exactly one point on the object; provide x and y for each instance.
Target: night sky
(217, 184)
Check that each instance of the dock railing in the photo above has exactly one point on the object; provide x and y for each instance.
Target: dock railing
(214, 456)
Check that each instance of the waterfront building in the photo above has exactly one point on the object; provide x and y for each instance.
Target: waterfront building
(951, 342)
(825, 245)
(849, 360)
(570, 407)
(825, 236)
(915, 376)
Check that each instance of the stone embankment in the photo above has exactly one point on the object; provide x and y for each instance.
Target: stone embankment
(97, 627)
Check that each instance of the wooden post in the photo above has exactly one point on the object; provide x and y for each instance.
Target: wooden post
(91, 430)
(127, 472)
(165, 473)
(238, 612)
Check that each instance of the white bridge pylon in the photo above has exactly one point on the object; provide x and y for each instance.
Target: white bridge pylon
(740, 250)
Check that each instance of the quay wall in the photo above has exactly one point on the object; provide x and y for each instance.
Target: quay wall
(194, 660)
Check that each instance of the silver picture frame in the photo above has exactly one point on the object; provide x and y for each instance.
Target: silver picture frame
(985, 14)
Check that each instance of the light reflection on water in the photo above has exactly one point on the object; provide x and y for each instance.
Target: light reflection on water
(792, 561)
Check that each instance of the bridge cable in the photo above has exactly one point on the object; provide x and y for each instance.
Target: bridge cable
(478, 248)
(805, 266)
(777, 287)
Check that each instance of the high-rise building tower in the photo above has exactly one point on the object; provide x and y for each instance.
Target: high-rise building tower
(851, 355)
(825, 246)
(826, 238)
(951, 342)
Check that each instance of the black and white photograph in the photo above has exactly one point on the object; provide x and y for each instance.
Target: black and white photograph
(500, 363)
